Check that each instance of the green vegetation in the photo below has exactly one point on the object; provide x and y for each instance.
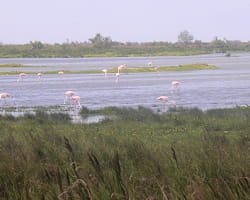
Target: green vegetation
(100, 46)
(84, 50)
(14, 65)
(139, 154)
(185, 37)
(187, 67)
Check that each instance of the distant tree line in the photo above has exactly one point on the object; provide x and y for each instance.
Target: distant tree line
(101, 45)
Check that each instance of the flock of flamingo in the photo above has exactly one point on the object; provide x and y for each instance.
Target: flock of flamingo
(70, 96)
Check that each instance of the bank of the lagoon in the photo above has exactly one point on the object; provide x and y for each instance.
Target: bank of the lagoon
(139, 154)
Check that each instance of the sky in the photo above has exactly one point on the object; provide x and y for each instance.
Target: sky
(58, 21)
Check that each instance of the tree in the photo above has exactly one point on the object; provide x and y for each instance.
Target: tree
(219, 45)
(36, 45)
(100, 41)
(185, 37)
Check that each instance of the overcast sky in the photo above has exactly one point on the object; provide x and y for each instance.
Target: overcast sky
(55, 21)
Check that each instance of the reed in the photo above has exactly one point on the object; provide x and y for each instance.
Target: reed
(139, 154)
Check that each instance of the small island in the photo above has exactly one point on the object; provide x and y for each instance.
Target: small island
(186, 67)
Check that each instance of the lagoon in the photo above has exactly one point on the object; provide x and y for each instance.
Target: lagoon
(228, 86)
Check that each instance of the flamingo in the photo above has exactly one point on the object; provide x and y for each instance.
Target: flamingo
(4, 96)
(68, 94)
(121, 67)
(117, 76)
(61, 73)
(105, 72)
(150, 64)
(175, 85)
(39, 76)
(162, 98)
(165, 100)
(76, 100)
(21, 76)
(156, 69)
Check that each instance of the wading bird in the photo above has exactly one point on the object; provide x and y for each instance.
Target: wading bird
(105, 72)
(68, 94)
(175, 85)
(121, 67)
(117, 77)
(166, 101)
(3, 96)
(150, 64)
(60, 73)
(21, 76)
(162, 98)
(39, 76)
(76, 101)
(156, 69)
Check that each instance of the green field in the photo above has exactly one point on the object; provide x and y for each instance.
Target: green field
(137, 154)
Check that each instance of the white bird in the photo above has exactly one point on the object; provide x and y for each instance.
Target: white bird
(105, 72)
(117, 76)
(39, 76)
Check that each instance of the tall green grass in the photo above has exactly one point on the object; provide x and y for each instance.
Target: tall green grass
(138, 154)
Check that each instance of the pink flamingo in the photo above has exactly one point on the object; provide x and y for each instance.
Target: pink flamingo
(68, 94)
(166, 101)
(156, 69)
(61, 73)
(117, 77)
(105, 72)
(39, 76)
(175, 85)
(4, 96)
(76, 100)
(162, 98)
(150, 64)
(21, 76)
(121, 67)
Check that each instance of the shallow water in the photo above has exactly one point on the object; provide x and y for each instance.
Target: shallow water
(226, 87)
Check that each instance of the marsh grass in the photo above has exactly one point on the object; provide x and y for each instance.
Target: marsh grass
(187, 67)
(13, 65)
(182, 154)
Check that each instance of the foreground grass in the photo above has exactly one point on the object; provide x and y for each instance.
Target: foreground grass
(186, 67)
(138, 154)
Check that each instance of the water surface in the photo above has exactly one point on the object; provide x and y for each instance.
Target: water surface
(228, 86)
